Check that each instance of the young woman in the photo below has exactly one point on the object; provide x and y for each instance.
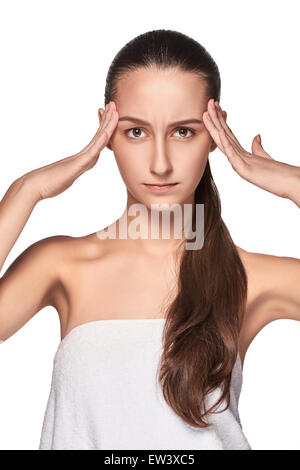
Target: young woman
(154, 335)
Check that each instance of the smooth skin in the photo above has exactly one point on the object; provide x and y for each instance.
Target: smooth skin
(87, 279)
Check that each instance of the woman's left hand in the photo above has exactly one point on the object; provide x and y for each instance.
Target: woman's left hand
(258, 167)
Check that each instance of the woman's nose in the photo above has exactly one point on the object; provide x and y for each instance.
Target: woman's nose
(160, 161)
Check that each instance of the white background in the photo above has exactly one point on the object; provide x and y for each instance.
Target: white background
(54, 60)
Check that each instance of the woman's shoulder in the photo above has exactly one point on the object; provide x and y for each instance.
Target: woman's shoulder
(273, 292)
(275, 265)
(77, 247)
(270, 277)
(262, 267)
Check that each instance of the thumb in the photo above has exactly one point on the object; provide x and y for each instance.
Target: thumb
(257, 148)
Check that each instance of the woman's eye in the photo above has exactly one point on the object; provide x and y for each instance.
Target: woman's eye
(134, 129)
(136, 137)
(185, 129)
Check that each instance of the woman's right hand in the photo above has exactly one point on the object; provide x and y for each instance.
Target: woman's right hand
(53, 179)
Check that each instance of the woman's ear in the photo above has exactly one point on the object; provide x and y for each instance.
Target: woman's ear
(213, 146)
(100, 116)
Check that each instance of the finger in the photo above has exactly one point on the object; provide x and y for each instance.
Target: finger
(100, 138)
(106, 120)
(216, 134)
(109, 108)
(111, 125)
(221, 117)
(107, 115)
(104, 132)
(213, 114)
(215, 125)
(235, 157)
(258, 150)
(212, 130)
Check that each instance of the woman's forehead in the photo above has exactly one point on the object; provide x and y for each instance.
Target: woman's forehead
(141, 91)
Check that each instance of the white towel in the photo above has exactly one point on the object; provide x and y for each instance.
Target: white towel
(104, 395)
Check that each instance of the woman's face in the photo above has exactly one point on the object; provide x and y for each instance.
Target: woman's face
(160, 151)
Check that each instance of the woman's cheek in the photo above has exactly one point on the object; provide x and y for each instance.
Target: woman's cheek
(198, 159)
(128, 166)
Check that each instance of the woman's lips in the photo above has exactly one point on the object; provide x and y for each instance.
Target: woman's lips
(160, 188)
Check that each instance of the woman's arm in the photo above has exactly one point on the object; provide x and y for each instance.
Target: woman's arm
(26, 286)
(258, 167)
(277, 279)
(280, 275)
(15, 209)
(27, 281)
(294, 189)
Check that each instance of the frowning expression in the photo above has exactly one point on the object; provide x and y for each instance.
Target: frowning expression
(160, 136)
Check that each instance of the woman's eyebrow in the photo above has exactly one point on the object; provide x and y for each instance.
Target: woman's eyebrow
(141, 121)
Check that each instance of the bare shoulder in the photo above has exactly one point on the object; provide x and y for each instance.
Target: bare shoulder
(72, 254)
(270, 273)
(41, 255)
(86, 247)
(27, 285)
(64, 253)
(70, 248)
(273, 292)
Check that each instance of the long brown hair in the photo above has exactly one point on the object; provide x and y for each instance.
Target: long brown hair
(203, 322)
